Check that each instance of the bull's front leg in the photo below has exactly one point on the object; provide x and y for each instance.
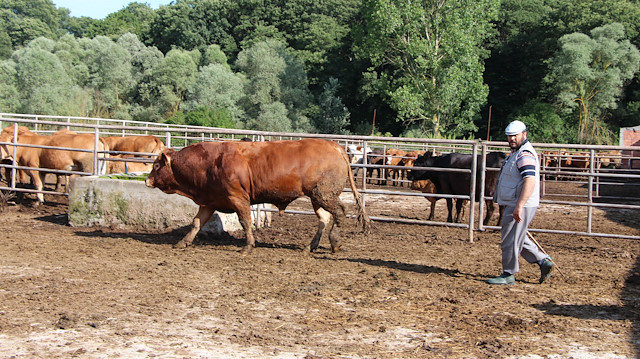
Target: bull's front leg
(203, 215)
(244, 216)
(432, 207)
(38, 182)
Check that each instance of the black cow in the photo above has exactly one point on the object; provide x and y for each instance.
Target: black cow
(459, 183)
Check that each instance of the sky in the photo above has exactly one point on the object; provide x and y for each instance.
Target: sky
(99, 9)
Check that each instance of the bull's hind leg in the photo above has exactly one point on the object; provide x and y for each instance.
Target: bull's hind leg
(490, 210)
(203, 215)
(335, 207)
(338, 218)
(324, 218)
(450, 209)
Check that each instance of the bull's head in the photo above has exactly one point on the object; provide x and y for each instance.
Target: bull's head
(425, 160)
(7, 135)
(161, 175)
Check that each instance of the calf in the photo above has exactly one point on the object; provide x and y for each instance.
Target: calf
(426, 186)
(231, 176)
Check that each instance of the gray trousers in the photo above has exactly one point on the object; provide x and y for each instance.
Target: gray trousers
(515, 241)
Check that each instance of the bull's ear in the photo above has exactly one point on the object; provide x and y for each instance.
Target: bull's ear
(165, 157)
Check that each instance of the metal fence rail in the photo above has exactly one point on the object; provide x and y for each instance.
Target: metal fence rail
(178, 136)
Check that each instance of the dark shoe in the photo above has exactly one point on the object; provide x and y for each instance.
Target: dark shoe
(545, 269)
(504, 278)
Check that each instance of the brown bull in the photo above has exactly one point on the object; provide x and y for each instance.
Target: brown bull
(231, 176)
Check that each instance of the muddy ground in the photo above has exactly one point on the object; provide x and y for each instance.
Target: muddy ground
(404, 291)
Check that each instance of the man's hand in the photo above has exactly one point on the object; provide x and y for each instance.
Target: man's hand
(516, 213)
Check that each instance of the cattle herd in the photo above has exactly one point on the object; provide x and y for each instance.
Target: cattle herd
(36, 152)
(230, 176)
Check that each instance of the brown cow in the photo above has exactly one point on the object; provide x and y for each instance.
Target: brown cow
(31, 139)
(143, 144)
(426, 186)
(609, 159)
(231, 176)
(49, 158)
(23, 155)
(394, 158)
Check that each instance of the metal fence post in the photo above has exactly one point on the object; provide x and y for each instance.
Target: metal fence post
(472, 191)
(96, 139)
(483, 174)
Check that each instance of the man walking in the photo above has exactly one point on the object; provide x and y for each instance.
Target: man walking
(518, 189)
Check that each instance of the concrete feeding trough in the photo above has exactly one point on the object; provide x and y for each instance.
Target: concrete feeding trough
(129, 203)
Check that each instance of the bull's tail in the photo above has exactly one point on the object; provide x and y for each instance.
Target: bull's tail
(363, 218)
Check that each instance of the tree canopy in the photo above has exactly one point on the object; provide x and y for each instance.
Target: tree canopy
(431, 68)
(587, 75)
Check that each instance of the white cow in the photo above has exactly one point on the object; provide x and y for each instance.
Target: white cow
(356, 154)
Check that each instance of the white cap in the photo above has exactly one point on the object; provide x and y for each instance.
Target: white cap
(515, 128)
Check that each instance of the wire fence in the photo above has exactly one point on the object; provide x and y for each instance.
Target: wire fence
(603, 173)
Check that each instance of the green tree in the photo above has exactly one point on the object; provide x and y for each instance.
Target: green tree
(43, 84)
(214, 55)
(544, 124)
(528, 32)
(9, 95)
(216, 87)
(263, 66)
(72, 55)
(167, 83)
(271, 117)
(192, 25)
(109, 76)
(143, 58)
(518, 54)
(332, 116)
(25, 20)
(81, 26)
(587, 75)
(428, 60)
(203, 116)
(6, 46)
(135, 18)
(275, 76)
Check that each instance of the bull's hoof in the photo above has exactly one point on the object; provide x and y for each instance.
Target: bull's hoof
(335, 249)
(180, 245)
(246, 250)
(310, 248)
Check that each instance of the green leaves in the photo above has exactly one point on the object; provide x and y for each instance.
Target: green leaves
(276, 92)
(432, 56)
(587, 75)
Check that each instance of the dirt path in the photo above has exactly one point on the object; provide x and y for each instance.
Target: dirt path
(405, 291)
